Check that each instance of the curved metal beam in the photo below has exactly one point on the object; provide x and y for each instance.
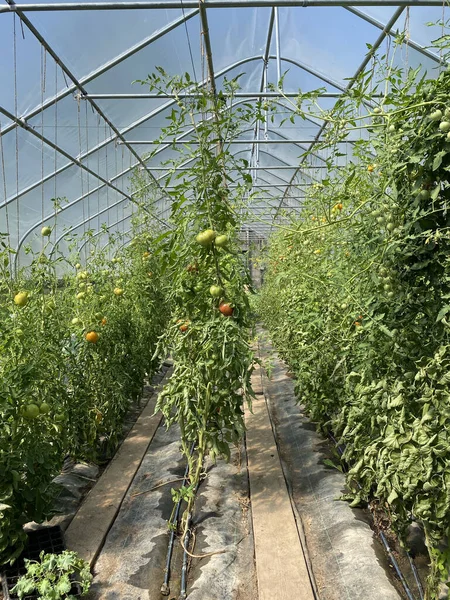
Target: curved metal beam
(362, 66)
(105, 67)
(100, 231)
(124, 131)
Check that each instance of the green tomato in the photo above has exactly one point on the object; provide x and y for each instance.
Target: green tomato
(21, 299)
(31, 411)
(221, 241)
(436, 115)
(215, 291)
(81, 295)
(46, 231)
(390, 226)
(424, 195)
(444, 126)
(44, 408)
(76, 321)
(206, 238)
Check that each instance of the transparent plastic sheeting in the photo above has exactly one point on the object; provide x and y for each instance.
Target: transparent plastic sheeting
(106, 51)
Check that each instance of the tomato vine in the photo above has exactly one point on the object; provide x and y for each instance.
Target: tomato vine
(357, 294)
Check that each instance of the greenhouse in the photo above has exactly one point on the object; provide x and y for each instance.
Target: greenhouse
(225, 300)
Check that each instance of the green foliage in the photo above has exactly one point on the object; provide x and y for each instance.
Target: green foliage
(357, 300)
(52, 577)
(208, 336)
(59, 393)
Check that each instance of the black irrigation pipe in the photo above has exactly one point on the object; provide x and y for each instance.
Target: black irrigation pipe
(184, 570)
(165, 588)
(388, 548)
(416, 576)
(396, 566)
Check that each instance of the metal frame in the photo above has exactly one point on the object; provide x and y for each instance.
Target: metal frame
(385, 32)
(167, 4)
(78, 85)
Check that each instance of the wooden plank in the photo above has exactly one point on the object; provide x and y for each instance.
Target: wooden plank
(88, 529)
(280, 564)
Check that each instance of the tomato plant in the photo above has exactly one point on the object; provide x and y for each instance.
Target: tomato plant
(360, 306)
(213, 360)
(65, 387)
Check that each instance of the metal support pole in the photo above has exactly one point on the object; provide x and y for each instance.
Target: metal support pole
(178, 4)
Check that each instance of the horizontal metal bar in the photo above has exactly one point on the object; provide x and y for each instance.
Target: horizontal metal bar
(249, 95)
(251, 142)
(178, 4)
(410, 43)
(61, 151)
(102, 69)
(268, 168)
(263, 187)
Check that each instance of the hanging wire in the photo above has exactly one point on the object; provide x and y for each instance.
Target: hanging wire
(88, 176)
(81, 151)
(116, 171)
(16, 112)
(189, 42)
(98, 171)
(2, 155)
(43, 70)
(55, 193)
(123, 204)
(441, 62)
(106, 173)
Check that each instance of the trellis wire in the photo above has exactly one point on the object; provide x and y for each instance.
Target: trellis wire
(16, 112)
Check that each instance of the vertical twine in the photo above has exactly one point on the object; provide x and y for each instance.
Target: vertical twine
(55, 191)
(88, 248)
(42, 141)
(16, 112)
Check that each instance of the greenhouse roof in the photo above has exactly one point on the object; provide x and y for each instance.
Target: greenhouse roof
(74, 125)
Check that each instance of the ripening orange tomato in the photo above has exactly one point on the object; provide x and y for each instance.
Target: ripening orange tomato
(92, 336)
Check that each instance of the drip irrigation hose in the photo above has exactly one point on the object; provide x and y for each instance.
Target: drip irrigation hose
(389, 551)
(416, 576)
(184, 570)
(396, 567)
(165, 588)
